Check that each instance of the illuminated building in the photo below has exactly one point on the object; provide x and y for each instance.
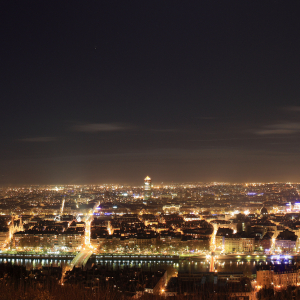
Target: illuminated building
(4, 236)
(286, 242)
(238, 243)
(220, 237)
(232, 244)
(48, 239)
(247, 245)
(191, 217)
(147, 188)
(15, 226)
(172, 208)
(279, 276)
(296, 206)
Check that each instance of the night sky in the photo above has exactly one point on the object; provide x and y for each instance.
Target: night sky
(112, 91)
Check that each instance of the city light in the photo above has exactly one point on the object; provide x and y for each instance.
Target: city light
(172, 229)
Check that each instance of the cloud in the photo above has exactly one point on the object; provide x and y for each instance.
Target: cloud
(292, 108)
(39, 139)
(166, 130)
(101, 127)
(282, 128)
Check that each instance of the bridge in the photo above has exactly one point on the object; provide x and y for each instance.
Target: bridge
(212, 263)
(81, 259)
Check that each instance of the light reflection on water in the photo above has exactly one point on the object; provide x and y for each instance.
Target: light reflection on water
(36, 263)
(192, 266)
(233, 266)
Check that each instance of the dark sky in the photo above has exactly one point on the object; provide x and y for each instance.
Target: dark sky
(112, 91)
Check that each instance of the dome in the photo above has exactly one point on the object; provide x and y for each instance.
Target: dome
(263, 211)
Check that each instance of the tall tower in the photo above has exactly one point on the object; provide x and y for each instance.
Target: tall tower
(147, 188)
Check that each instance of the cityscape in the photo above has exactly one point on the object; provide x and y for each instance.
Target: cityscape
(178, 234)
(150, 150)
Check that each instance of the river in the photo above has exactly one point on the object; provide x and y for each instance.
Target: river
(232, 264)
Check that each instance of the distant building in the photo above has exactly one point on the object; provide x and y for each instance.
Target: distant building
(171, 208)
(15, 226)
(239, 242)
(191, 217)
(277, 276)
(224, 224)
(286, 242)
(220, 237)
(264, 211)
(147, 188)
(232, 244)
(247, 244)
(266, 242)
(48, 239)
(4, 236)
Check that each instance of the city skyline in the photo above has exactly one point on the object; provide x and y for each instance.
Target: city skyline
(179, 237)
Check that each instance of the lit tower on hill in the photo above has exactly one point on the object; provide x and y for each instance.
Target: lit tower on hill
(147, 188)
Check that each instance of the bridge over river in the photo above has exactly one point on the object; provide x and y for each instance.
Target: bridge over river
(81, 259)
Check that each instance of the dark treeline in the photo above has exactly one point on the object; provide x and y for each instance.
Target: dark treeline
(18, 283)
(11, 291)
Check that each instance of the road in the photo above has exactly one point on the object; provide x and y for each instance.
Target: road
(81, 258)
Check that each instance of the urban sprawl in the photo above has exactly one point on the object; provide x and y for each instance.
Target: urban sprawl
(235, 239)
